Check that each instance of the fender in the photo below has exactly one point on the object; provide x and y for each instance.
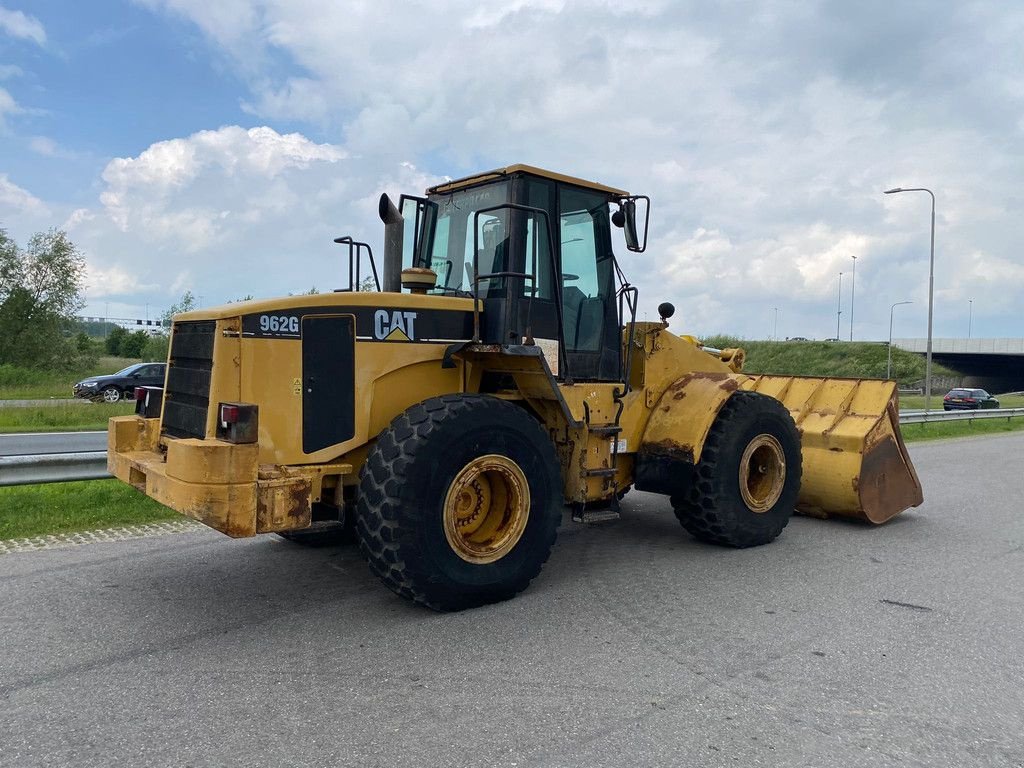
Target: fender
(679, 424)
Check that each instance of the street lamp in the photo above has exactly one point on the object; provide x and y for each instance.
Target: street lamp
(888, 363)
(931, 295)
(839, 305)
(853, 292)
(775, 325)
(970, 316)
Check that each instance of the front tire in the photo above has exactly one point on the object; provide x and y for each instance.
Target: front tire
(111, 395)
(459, 502)
(747, 481)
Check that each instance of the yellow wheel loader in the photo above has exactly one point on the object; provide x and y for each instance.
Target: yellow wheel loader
(497, 376)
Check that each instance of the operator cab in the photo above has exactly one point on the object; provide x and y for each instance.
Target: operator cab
(535, 248)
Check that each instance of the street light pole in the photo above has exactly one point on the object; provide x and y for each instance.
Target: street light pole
(931, 296)
(839, 305)
(888, 363)
(970, 316)
(853, 292)
(775, 325)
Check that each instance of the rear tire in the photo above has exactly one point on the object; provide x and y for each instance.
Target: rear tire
(746, 483)
(459, 502)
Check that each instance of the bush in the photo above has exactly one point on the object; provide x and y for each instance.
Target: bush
(134, 344)
(114, 340)
(156, 349)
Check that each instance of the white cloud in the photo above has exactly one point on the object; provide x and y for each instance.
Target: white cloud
(230, 212)
(763, 136)
(9, 71)
(8, 106)
(17, 200)
(17, 24)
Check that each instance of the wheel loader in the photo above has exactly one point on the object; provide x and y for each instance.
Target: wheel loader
(495, 378)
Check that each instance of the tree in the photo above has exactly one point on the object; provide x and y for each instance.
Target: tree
(115, 340)
(40, 293)
(186, 304)
(134, 344)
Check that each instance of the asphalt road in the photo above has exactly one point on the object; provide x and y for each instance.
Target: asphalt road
(52, 442)
(838, 645)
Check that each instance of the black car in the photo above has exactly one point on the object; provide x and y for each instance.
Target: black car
(968, 399)
(122, 384)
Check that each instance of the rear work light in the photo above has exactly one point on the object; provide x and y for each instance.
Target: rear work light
(237, 422)
(148, 402)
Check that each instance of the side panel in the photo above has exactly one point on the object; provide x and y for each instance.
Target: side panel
(328, 380)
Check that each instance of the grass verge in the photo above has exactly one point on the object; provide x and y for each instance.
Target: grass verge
(61, 418)
(35, 510)
(940, 430)
(24, 384)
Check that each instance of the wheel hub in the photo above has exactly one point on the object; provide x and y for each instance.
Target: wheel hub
(486, 509)
(762, 473)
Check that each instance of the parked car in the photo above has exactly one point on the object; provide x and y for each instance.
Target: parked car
(968, 399)
(112, 388)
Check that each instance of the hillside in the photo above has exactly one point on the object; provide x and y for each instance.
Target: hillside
(854, 359)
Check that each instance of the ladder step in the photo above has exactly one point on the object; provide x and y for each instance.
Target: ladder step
(608, 429)
(598, 516)
(602, 472)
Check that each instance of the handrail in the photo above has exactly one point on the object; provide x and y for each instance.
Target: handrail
(356, 247)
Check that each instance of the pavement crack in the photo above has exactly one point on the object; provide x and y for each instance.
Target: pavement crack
(912, 606)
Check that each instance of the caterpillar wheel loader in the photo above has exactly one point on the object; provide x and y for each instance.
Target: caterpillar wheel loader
(497, 376)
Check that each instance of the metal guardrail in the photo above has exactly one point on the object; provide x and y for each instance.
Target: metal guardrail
(92, 465)
(53, 468)
(922, 417)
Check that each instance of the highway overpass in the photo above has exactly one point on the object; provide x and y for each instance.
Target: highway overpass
(994, 364)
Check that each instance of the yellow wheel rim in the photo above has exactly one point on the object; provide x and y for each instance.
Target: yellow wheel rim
(486, 509)
(762, 473)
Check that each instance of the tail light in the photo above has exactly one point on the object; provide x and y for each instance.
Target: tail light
(148, 402)
(237, 422)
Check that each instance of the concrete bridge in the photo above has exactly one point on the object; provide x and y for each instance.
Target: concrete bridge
(993, 364)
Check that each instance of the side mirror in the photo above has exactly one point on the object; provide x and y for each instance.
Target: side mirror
(626, 217)
(632, 241)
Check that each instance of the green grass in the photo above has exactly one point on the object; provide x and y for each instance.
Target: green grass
(941, 430)
(855, 359)
(35, 510)
(24, 384)
(61, 417)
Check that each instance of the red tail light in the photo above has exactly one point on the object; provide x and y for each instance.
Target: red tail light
(228, 414)
(140, 393)
(238, 422)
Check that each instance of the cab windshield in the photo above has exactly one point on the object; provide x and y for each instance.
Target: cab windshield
(455, 229)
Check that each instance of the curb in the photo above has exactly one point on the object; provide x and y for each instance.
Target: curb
(81, 538)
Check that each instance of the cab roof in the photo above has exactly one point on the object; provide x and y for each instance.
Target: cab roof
(480, 178)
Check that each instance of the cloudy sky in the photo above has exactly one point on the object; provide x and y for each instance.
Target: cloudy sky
(219, 146)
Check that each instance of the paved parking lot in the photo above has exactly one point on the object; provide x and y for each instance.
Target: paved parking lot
(838, 645)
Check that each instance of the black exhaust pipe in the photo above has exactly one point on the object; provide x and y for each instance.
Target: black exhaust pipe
(394, 232)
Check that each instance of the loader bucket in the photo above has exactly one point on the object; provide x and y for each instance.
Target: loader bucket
(854, 461)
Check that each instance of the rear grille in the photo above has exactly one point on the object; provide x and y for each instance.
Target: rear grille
(187, 395)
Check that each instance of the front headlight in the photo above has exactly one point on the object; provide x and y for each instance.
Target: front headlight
(88, 384)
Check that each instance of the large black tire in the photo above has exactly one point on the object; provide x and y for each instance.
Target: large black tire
(403, 523)
(750, 505)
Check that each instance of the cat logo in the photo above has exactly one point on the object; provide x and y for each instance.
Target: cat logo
(394, 325)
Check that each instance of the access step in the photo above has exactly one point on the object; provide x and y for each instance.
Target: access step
(601, 472)
(606, 430)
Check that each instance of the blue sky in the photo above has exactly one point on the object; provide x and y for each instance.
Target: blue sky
(219, 146)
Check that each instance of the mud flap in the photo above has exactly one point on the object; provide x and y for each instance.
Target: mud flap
(855, 463)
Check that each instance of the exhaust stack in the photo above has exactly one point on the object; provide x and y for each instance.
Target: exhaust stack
(394, 232)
